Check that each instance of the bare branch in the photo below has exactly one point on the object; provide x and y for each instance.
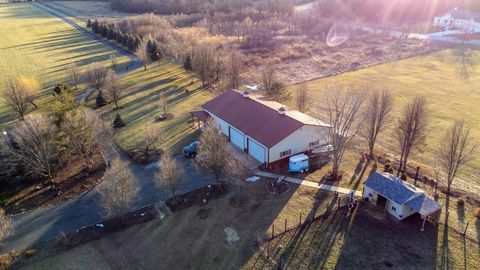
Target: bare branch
(119, 188)
(170, 174)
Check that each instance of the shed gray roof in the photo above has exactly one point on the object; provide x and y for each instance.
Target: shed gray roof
(391, 187)
(424, 205)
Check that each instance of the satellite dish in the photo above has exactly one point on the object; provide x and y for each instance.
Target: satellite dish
(337, 36)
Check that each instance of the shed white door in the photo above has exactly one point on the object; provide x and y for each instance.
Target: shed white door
(237, 138)
(256, 150)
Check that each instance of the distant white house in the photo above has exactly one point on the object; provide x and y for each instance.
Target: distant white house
(266, 130)
(400, 198)
(460, 19)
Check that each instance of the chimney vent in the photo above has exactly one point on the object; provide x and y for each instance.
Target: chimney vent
(246, 94)
(282, 110)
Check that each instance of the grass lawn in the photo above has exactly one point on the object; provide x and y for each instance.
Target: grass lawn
(35, 44)
(449, 81)
(196, 238)
(139, 105)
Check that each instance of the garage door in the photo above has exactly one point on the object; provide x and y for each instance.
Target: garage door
(237, 138)
(256, 150)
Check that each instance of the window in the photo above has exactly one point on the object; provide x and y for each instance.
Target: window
(285, 153)
(313, 144)
(394, 209)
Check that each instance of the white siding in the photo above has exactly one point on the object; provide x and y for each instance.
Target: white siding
(223, 125)
(370, 194)
(297, 142)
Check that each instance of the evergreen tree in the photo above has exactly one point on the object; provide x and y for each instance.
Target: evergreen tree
(95, 27)
(136, 43)
(131, 43)
(111, 33)
(125, 39)
(100, 100)
(156, 54)
(105, 30)
(119, 37)
(118, 121)
(187, 63)
(89, 23)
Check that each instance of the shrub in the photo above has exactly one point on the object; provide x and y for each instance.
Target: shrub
(461, 202)
(118, 121)
(477, 213)
(187, 63)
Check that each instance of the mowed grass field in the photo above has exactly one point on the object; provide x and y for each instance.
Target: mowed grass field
(139, 105)
(36, 44)
(449, 81)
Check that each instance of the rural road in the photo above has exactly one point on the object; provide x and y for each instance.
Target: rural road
(46, 223)
(135, 61)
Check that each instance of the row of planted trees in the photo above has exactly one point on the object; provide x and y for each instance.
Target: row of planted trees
(147, 49)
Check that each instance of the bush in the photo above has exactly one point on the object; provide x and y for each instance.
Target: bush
(461, 202)
(187, 63)
(477, 213)
(118, 121)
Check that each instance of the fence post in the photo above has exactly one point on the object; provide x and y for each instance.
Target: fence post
(285, 226)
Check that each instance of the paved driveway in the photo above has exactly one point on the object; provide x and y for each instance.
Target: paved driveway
(43, 224)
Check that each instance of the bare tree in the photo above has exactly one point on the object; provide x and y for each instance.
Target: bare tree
(152, 136)
(456, 150)
(212, 155)
(273, 88)
(86, 133)
(34, 144)
(74, 73)
(163, 102)
(113, 61)
(342, 110)
(19, 93)
(234, 68)
(236, 174)
(143, 54)
(6, 225)
(302, 98)
(170, 174)
(33, 89)
(95, 75)
(376, 116)
(119, 188)
(112, 85)
(204, 63)
(411, 130)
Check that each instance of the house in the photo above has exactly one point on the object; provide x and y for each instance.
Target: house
(266, 130)
(400, 198)
(459, 18)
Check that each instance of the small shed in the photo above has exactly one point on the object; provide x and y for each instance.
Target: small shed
(401, 199)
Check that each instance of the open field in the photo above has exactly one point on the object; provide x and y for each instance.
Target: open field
(96, 9)
(36, 44)
(195, 238)
(448, 79)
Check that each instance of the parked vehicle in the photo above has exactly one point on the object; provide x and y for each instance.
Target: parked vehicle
(298, 163)
(190, 151)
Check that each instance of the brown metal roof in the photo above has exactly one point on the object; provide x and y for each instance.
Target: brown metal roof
(262, 123)
(201, 115)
